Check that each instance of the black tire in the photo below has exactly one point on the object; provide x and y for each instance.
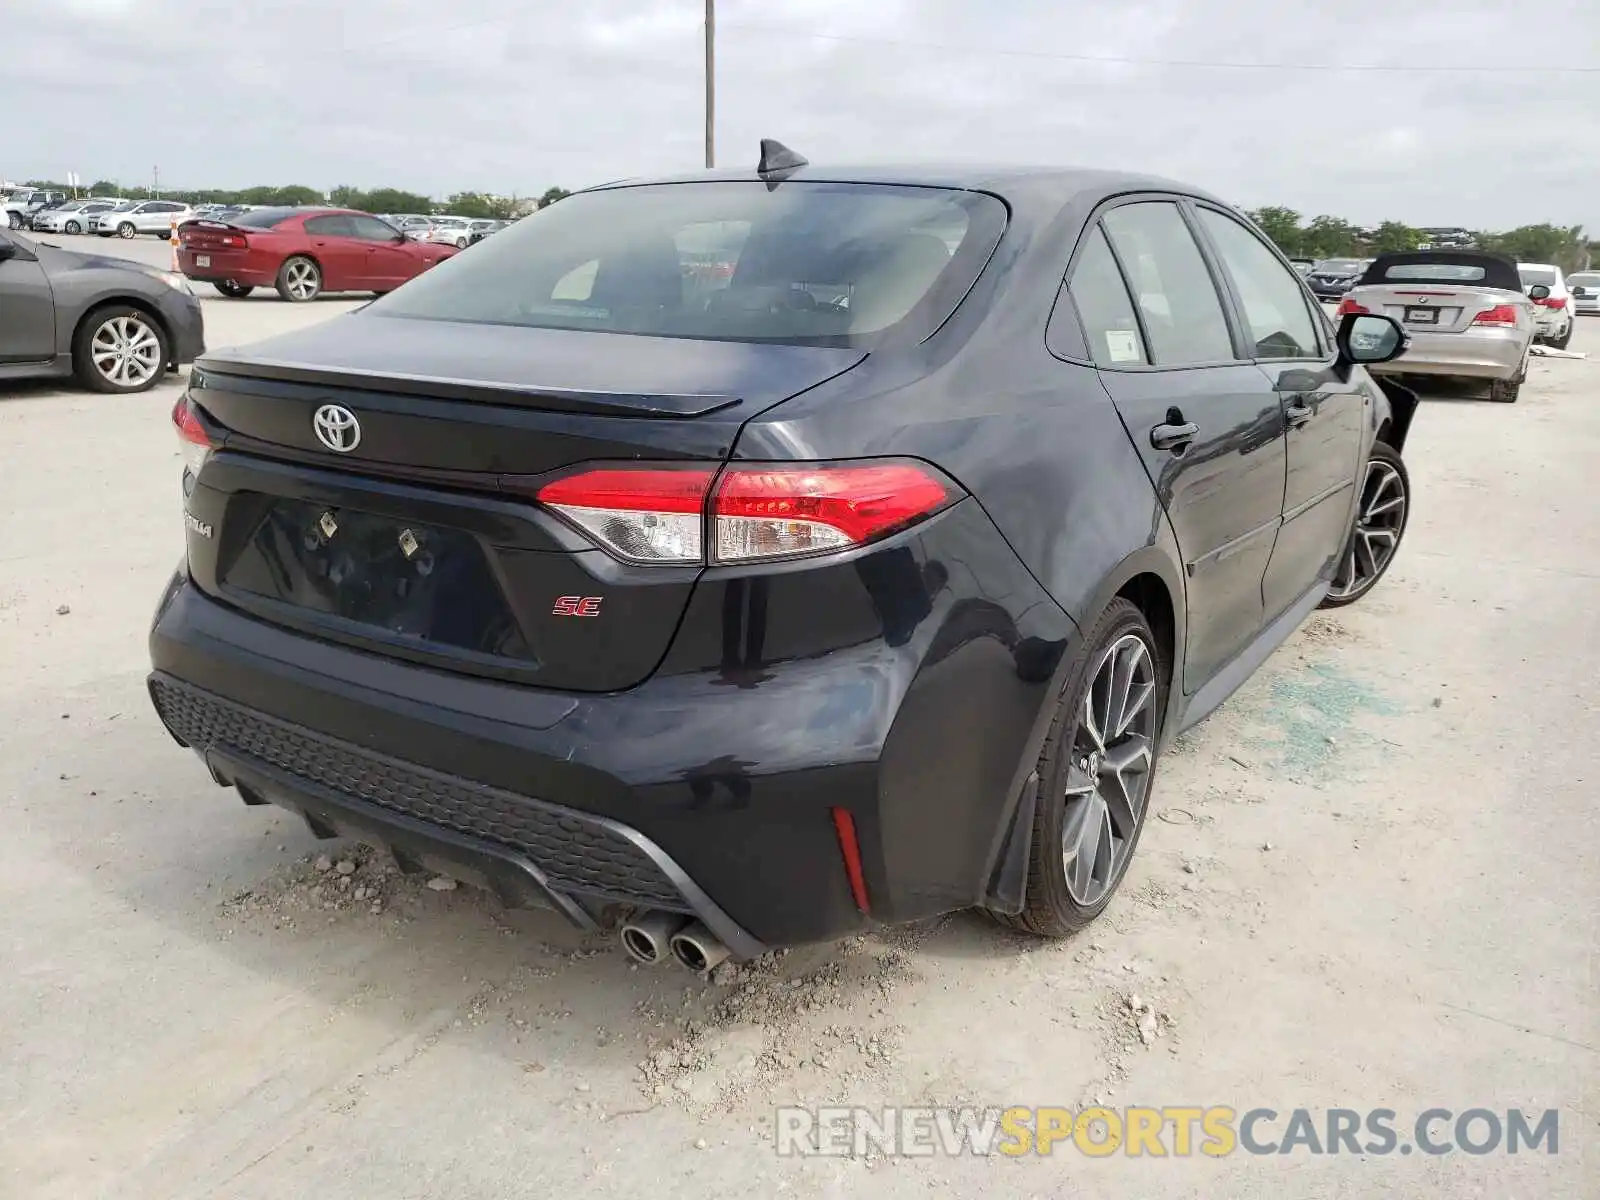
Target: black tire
(1562, 342)
(73, 228)
(126, 230)
(1505, 391)
(1048, 908)
(288, 289)
(1387, 455)
(232, 290)
(461, 243)
(83, 349)
(13, 220)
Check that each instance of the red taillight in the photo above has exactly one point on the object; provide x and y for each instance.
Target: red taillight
(192, 440)
(657, 514)
(1500, 314)
(779, 510)
(1348, 306)
(642, 514)
(1553, 302)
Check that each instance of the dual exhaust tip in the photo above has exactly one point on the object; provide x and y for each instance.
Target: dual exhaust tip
(652, 938)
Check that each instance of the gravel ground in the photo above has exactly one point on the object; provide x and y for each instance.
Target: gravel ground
(1370, 880)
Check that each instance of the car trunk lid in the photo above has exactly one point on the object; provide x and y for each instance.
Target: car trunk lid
(420, 538)
(1433, 308)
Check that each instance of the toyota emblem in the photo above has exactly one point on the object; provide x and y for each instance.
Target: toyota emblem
(337, 428)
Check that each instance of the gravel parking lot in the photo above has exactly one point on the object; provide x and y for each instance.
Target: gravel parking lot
(1370, 881)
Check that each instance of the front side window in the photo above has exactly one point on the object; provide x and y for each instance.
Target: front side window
(801, 263)
(1273, 300)
(1171, 284)
(371, 229)
(1101, 298)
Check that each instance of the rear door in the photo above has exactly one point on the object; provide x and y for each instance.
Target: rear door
(1326, 416)
(27, 307)
(342, 255)
(1206, 423)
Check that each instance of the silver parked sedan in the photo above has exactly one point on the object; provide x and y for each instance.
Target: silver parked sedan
(1465, 312)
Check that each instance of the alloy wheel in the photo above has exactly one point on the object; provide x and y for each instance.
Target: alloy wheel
(1376, 537)
(1108, 775)
(301, 280)
(126, 351)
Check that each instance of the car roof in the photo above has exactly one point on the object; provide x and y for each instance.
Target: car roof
(1002, 178)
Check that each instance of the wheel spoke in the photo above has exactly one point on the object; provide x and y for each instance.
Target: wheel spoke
(1088, 847)
(1377, 510)
(1091, 723)
(1124, 666)
(1368, 563)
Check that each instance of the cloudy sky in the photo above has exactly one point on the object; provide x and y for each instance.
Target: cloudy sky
(517, 95)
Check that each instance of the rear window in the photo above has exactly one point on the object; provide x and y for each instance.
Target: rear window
(802, 263)
(1435, 272)
(1339, 266)
(1533, 275)
(1585, 279)
(263, 218)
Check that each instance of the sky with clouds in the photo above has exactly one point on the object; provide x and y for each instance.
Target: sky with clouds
(517, 95)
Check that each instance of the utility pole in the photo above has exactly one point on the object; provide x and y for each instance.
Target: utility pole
(155, 183)
(711, 84)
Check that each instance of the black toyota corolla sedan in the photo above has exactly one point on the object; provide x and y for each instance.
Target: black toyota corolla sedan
(755, 557)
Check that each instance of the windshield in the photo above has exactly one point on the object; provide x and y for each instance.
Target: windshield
(1339, 266)
(1533, 275)
(801, 263)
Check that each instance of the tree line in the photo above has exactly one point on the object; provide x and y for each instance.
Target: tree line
(1333, 237)
(376, 200)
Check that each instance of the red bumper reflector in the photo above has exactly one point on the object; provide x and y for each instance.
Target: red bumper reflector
(850, 850)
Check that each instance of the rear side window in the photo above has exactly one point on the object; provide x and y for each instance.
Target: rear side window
(801, 263)
(333, 225)
(1101, 298)
(1273, 300)
(1171, 284)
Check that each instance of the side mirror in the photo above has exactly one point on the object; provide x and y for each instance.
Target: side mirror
(1539, 292)
(1368, 338)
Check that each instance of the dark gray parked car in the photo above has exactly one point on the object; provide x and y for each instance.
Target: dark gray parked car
(116, 325)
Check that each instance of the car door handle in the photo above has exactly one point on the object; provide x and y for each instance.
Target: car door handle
(1170, 436)
(1298, 412)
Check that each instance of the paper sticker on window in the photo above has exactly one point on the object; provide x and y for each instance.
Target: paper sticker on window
(1122, 345)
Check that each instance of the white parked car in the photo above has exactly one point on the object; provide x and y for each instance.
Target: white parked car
(21, 205)
(1585, 287)
(1553, 315)
(73, 216)
(449, 231)
(144, 216)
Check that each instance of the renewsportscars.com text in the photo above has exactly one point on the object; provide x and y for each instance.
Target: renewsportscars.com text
(1177, 1131)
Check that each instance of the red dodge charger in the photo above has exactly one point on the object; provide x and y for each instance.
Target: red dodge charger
(302, 252)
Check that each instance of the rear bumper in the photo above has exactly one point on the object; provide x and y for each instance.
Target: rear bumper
(706, 791)
(223, 267)
(1473, 353)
